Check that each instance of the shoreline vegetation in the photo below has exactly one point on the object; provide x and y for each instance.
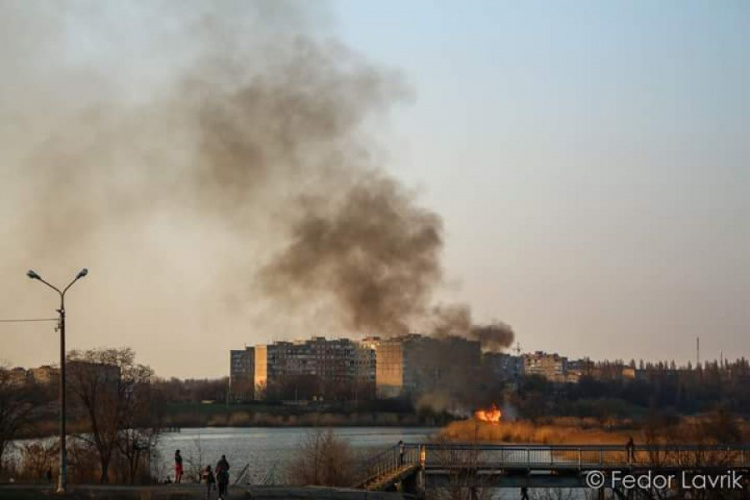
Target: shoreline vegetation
(718, 427)
(215, 415)
(556, 430)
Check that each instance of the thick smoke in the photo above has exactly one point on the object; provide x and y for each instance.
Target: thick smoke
(375, 251)
(220, 147)
(494, 336)
(456, 320)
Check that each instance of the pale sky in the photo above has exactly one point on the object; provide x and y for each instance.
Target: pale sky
(589, 159)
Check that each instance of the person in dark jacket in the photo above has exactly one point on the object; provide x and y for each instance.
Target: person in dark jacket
(222, 476)
(630, 449)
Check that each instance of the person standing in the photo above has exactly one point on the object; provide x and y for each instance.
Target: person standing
(208, 475)
(630, 448)
(401, 452)
(222, 476)
(177, 467)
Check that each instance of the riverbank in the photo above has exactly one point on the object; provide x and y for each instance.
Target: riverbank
(185, 492)
(218, 415)
(712, 428)
(197, 415)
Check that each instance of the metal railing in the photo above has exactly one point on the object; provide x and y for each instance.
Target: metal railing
(387, 462)
(242, 474)
(586, 456)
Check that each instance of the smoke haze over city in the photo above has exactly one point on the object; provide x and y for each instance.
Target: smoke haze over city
(238, 172)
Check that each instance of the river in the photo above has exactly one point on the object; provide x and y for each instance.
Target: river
(267, 450)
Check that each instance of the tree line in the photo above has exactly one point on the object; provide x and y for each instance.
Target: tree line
(603, 391)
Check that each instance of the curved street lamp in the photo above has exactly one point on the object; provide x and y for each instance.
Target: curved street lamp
(62, 482)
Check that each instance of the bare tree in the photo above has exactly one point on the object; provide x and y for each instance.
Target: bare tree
(37, 457)
(109, 386)
(15, 410)
(141, 425)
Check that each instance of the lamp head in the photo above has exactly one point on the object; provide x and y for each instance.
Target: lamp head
(83, 273)
(33, 275)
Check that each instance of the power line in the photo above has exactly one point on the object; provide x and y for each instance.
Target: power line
(27, 320)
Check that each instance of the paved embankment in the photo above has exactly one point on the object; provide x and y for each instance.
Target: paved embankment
(186, 492)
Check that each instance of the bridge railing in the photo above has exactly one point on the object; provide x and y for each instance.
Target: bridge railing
(585, 456)
(387, 462)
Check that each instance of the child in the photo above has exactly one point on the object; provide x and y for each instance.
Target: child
(210, 479)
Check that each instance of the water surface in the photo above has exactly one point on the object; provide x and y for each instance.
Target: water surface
(267, 450)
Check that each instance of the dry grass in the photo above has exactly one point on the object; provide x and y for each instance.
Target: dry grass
(711, 428)
(561, 431)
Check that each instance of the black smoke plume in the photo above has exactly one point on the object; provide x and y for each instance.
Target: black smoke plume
(203, 155)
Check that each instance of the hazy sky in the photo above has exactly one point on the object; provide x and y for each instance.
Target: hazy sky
(589, 160)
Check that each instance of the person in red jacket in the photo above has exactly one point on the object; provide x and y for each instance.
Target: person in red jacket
(177, 466)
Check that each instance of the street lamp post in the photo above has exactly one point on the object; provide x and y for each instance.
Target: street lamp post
(62, 482)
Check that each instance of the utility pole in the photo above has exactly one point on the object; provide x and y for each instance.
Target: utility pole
(697, 351)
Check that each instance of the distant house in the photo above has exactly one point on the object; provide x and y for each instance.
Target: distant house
(17, 376)
(44, 374)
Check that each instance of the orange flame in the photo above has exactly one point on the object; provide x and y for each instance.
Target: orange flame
(491, 415)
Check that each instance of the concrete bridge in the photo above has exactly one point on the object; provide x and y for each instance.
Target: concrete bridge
(473, 466)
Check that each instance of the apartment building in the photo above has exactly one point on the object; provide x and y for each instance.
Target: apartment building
(503, 366)
(413, 364)
(552, 366)
(242, 374)
(314, 369)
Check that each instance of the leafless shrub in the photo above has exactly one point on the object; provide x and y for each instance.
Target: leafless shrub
(15, 411)
(38, 457)
(194, 462)
(553, 494)
(323, 459)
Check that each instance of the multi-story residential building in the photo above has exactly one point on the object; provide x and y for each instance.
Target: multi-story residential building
(553, 367)
(242, 374)
(314, 369)
(503, 366)
(411, 365)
